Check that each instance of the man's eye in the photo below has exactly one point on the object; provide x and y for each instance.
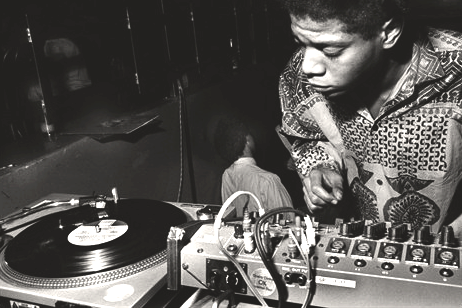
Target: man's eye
(332, 52)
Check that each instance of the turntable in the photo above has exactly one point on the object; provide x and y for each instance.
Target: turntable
(99, 254)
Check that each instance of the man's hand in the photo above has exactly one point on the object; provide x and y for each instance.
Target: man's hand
(323, 186)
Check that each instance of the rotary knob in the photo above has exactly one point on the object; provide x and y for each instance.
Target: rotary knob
(422, 235)
(445, 272)
(360, 263)
(447, 236)
(387, 266)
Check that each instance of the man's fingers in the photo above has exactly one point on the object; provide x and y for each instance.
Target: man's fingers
(322, 187)
(323, 184)
(309, 203)
(335, 182)
(316, 200)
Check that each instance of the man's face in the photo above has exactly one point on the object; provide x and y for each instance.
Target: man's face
(336, 62)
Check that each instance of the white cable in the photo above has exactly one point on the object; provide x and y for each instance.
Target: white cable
(310, 231)
(310, 239)
(217, 226)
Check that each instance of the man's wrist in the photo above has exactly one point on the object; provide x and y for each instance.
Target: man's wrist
(330, 165)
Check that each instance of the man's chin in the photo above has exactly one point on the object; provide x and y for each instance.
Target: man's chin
(335, 95)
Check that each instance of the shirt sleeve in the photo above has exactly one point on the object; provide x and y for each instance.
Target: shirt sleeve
(310, 143)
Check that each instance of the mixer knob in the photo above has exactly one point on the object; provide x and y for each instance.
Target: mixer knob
(397, 233)
(344, 229)
(422, 235)
(416, 269)
(447, 236)
(445, 272)
(333, 260)
(352, 228)
(375, 231)
(387, 266)
(360, 263)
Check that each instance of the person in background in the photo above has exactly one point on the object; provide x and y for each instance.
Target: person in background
(235, 143)
(371, 107)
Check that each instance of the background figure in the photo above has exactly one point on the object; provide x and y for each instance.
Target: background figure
(235, 143)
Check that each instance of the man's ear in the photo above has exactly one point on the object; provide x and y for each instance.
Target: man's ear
(391, 32)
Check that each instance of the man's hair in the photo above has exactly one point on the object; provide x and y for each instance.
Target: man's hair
(363, 17)
(230, 137)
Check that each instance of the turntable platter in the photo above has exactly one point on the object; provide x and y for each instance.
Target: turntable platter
(85, 240)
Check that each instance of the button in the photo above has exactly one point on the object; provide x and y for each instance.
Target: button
(360, 263)
(380, 182)
(387, 266)
(333, 260)
(445, 272)
(416, 269)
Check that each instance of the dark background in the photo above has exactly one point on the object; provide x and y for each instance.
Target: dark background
(167, 42)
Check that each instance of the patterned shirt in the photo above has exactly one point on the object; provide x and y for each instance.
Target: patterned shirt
(404, 166)
(245, 175)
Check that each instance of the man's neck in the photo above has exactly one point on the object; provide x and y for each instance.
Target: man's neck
(387, 88)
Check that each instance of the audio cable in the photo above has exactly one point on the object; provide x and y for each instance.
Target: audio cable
(217, 226)
(266, 256)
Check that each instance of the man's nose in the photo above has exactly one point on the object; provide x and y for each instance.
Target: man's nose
(312, 63)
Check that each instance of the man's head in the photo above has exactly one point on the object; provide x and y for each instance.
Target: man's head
(347, 43)
(363, 17)
(233, 139)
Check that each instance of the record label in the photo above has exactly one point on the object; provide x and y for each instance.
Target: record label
(98, 232)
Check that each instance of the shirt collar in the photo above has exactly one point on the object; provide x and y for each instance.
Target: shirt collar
(245, 161)
(426, 63)
(425, 69)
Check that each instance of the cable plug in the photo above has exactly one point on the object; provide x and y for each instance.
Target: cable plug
(310, 232)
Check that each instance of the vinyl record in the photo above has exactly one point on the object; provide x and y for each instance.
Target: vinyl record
(87, 240)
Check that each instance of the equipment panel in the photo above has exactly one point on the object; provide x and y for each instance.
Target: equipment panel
(351, 264)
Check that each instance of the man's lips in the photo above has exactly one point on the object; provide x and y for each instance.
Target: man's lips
(319, 88)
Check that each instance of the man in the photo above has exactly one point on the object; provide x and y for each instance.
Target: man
(235, 143)
(372, 108)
